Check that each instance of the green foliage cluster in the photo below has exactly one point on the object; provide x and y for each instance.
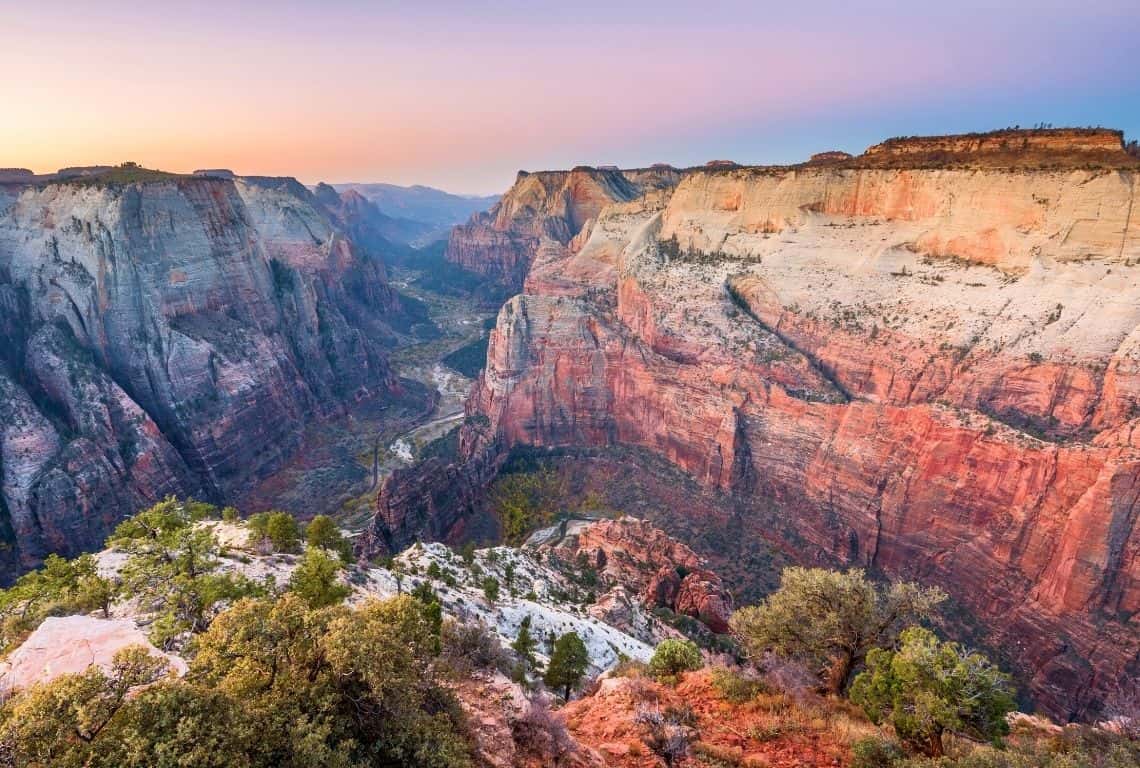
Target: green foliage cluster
(928, 687)
(274, 532)
(274, 682)
(674, 656)
(568, 663)
(731, 685)
(322, 532)
(861, 638)
(314, 579)
(829, 621)
(524, 501)
(60, 587)
(171, 570)
(524, 646)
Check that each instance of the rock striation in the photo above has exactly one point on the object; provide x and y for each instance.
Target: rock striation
(169, 334)
(932, 372)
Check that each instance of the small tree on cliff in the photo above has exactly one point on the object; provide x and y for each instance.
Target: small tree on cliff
(525, 643)
(315, 579)
(927, 688)
(829, 620)
(322, 532)
(568, 663)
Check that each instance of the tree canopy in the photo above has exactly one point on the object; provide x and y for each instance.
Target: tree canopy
(830, 620)
(927, 688)
(568, 663)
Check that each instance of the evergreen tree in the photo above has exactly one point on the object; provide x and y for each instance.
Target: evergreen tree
(568, 663)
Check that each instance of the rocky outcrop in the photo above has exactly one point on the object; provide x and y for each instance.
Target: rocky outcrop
(635, 556)
(169, 334)
(933, 372)
(1067, 142)
(70, 645)
(543, 209)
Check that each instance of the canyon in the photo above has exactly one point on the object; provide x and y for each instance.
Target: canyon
(923, 360)
(174, 334)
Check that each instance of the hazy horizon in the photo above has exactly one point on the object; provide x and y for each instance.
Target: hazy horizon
(461, 98)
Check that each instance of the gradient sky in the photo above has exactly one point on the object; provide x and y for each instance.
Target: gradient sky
(461, 95)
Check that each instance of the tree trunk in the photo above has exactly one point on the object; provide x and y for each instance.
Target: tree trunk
(842, 671)
(934, 745)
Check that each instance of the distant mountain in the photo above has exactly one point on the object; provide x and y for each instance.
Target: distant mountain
(426, 205)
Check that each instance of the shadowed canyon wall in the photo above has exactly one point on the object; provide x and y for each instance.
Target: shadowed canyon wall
(168, 334)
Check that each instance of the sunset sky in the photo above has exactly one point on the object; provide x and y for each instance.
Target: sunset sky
(461, 95)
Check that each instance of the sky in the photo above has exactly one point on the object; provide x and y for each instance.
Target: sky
(461, 95)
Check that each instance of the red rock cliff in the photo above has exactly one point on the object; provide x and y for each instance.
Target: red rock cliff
(931, 372)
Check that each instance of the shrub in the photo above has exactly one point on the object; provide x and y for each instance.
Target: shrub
(470, 646)
(674, 656)
(541, 734)
(927, 688)
(829, 620)
(568, 663)
(733, 686)
(875, 753)
(668, 734)
(491, 589)
(322, 532)
(315, 579)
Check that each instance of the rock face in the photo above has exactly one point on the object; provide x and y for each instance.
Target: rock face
(168, 334)
(542, 210)
(69, 645)
(635, 555)
(933, 372)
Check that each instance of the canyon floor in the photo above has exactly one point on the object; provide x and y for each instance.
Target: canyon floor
(342, 462)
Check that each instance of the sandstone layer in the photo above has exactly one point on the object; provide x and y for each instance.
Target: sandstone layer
(168, 334)
(930, 372)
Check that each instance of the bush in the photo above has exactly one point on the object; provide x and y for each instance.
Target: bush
(322, 532)
(541, 734)
(315, 579)
(875, 753)
(927, 688)
(274, 532)
(470, 646)
(829, 620)
(674, 656)
(735, 687)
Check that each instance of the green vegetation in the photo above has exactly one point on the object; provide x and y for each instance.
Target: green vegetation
(673, 657)
(315, 579)
(322, 532)
(849, 615)
(171, 570)
(568, 663)
(524, 501)
(731, 685)
(60, 587)
(274, 532)
(927, 688)
(274, 682)
(491, 589)
(525, 644)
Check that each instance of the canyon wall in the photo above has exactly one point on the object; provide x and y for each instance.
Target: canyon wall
(930, 372)
(168, 334)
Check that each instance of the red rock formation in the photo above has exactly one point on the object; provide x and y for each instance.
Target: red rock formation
(642, 558)
(932, 373)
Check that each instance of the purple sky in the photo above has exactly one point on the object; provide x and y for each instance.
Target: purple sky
(461, 95)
